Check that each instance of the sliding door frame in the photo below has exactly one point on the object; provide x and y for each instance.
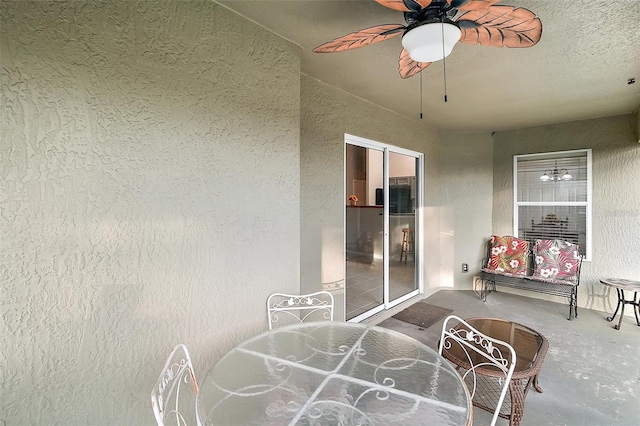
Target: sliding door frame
(386, 149)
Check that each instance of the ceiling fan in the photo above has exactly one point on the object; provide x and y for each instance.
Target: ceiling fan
(435, 26)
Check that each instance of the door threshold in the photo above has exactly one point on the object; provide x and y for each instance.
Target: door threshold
(388, 313)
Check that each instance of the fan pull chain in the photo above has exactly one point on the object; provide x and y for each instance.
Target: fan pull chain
(420, 96)
(444, 62)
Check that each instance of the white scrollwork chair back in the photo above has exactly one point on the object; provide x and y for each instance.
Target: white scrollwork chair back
(284, 309)
(479, 351)
(166, 394)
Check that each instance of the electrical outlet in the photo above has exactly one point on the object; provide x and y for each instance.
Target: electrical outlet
(465, 267)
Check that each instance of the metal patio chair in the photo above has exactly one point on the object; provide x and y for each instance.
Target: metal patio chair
(485, 364)
(166, 394)
(284, 309)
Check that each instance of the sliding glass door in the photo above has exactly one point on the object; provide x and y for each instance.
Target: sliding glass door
(363, 232)
(382, 226)
(402, 225)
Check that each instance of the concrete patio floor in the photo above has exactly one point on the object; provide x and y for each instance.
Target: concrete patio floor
(591, 374)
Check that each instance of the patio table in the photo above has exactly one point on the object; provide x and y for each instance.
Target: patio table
(333, 373)
(621, 285)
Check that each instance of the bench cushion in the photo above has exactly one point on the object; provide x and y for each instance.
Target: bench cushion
(556, 260)
(508, 255)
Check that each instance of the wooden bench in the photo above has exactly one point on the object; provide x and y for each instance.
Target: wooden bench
(550, 267)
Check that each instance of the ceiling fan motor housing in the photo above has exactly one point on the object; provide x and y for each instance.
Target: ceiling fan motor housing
(436, 11)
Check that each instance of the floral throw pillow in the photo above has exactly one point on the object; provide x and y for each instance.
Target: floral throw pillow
(556, 259)
(508, 255)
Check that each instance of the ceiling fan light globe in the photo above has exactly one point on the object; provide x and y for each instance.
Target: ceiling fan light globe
(425, 44)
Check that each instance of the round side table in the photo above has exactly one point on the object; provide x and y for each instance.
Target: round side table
(621, 285)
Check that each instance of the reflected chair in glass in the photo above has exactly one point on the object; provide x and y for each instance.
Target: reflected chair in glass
(166, 396)
(406, 247)
(486, 364)
(285, 309)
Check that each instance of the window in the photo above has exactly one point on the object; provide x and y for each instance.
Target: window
(552, 197)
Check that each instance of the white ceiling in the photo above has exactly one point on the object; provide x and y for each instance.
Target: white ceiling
(579, 70)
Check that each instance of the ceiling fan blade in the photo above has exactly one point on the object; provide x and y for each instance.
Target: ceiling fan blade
(361, 38)
(405, 5)
(472, 4)
(500, 26)
(408, 67)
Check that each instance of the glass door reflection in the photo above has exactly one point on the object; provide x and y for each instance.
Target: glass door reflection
(364, 231)
(402, 225)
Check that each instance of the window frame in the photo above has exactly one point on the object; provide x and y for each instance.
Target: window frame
(587, 204)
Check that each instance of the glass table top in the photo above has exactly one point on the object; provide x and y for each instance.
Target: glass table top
(332, 373)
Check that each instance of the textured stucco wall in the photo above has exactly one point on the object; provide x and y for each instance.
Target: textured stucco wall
(327, 114)
(149, 171)
(616, 195)
(466, 193)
